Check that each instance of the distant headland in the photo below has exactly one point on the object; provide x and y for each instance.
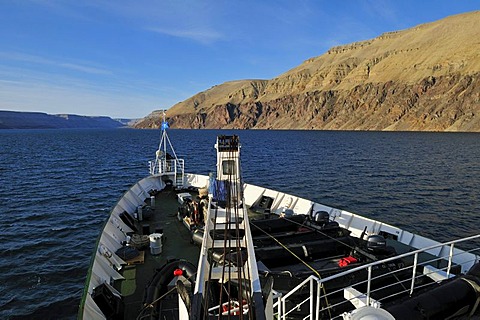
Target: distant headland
(39, 120)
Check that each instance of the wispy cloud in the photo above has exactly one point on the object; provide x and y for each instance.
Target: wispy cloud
(57, 99)
(197, 21)
(24, 89)
(381, 8)
(203, 36)
(35, 59)
(194, 20)
(83, 68)
(77, 99)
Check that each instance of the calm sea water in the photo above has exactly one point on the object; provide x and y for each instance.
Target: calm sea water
(58, 186)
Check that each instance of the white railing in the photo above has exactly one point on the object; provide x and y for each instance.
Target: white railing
(175, 168)
(322, 304)
(166, 166)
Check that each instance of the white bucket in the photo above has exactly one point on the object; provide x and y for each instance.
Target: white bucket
(155, 243)
(152, 202)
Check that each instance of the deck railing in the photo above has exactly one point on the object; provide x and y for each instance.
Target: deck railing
(166, 166)
(312, 298)
(174, 168)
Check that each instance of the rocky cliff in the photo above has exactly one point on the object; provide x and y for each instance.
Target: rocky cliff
(38, 120)
(425, 78)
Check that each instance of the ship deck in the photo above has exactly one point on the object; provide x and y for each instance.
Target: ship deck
(176, 245)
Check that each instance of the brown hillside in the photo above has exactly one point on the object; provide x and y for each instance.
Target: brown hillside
(423, 78)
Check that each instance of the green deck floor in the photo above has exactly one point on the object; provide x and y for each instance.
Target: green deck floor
(176, 244)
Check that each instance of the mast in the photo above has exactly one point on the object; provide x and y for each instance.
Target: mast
(166, 162)
(230, 287)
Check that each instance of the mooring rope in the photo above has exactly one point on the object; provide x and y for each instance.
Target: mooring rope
(302, 261)
(358, 250)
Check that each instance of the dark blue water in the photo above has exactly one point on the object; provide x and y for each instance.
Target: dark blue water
(57, 187)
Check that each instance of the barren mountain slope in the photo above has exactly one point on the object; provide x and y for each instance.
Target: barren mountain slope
(423, 78)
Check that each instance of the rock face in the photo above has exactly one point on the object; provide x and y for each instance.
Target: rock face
(426, 78)
(38, 120)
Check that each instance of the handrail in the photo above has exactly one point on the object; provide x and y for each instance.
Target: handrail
(315, 294)
(335, 276)
(283, 299)
(173, 166)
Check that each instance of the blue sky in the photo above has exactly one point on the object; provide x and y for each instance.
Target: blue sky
(126, 58)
